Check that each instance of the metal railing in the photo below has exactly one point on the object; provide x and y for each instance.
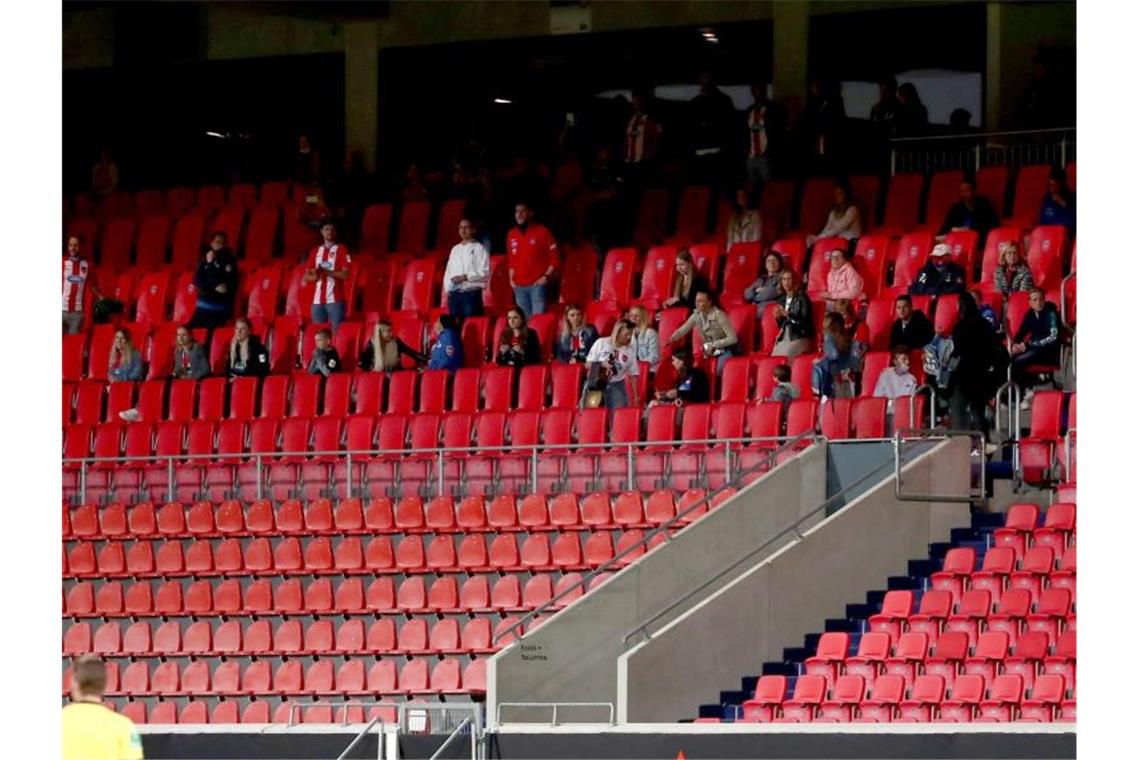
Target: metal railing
(973, 151)
(977, 487)
(339, 706)
(356, 741)
(553, 709)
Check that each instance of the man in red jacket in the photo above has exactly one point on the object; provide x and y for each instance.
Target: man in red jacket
(532, 259)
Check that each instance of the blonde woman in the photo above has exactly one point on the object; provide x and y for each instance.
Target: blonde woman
(576, 336)
(383, 351)
(125, 363)
(248, 356)
(1012, 274)
(645, 339)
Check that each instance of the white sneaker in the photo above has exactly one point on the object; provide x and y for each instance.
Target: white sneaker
(129, 415)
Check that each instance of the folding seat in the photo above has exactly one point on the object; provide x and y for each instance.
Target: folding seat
(1030, 186)
(440, 555)
(1005, 695)
(957, 565)
(1020, 521)
(996, 567)
(883, 702)
(1028, 653)
(829, 655)
(660, 507)
(474, 595)
(1063, 660)
(766, 700)
(846, 694)
(257, 639)
(657, 275)
(1045, 699)
(806, 699)
(1059, 527)
(1053, 607)
(225, 712)
(504, 552)
(1035, 566)
(741, 266)
(565, 552)
(227, 595)
(835, 420)
(902, 204)
(375, 227)
(412, 595)
(992, 647)
(616, 288)
(116, 244)
(264, 288)
(502, 514)
(596, 512)
(910, 651)
(256, 711)
(77, 638)
(413, 637)
(1038, 449)
(925, 697)
(318, 555)
(261, 236)
(349, 595)
(598, 550)
(897, 607)
(913, 251)
(1012, 610)
(563, 512)
(816, 198)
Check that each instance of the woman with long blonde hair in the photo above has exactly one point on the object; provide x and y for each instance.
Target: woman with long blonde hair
(125, 362)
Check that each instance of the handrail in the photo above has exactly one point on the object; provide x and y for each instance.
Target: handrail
(979, 135)
(451, 737)
(662, 529)
(359, 737)
(902, 435)
(338, 705)
(553, 709)
(792, 527)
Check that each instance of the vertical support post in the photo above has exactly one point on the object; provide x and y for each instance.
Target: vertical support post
(629, 464)
(727, 462)
(260, 480)
(534, 470)
(439, 463)
(83, 482)
(170, 479)
(348, 488)
(1063, 152)
(977, 156)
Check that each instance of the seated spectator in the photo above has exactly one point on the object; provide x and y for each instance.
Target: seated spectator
(518, 345)
(216, 283)
(645, 339)
(793, 317)
(971, 212)
(691, 385)
(911, 328)
(939, 275)
(1059, 205)
(1012, 274)
(987, 311)
(856, 327)
(326, 359)
(688, 282)
(126, 362)
(1037, 340)
(468, 272)
(833, 375)
(718, 338)
(190, 362)
(842, 220)
(783, 391)
(611, 362)
(744, 224)
(576, 336)
(766, 288)
(896, 381)
(382, 352)
(843, 281)
(447, 349)
(248, 357)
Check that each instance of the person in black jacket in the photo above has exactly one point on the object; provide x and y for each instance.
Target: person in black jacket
(972, 212)
(939, 276)
(793, 318)
(973, 379)
(1037, 340)
(248, 357)
(691, 385)
(216, 281)
(326, 359)
(518, 345)
(911, 328)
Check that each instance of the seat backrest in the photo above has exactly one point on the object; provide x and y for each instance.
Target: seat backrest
(617, 276)
(658, 273)
(912, 253)
(903, 201)
(1029, 188)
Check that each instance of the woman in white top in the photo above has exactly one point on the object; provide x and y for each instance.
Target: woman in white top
(613, 361)
(843, 220)
(647, 345)
(744, 224)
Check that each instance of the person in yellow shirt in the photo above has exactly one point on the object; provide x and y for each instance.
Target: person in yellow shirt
(90, 730)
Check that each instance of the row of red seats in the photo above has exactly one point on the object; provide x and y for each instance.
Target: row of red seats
(257, 711)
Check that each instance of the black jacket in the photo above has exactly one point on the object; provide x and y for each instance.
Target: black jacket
(797, 324)
(982, 219)
(210, 274)
(258, 363)
(938, 281)
(695, 388)
(532, 351)
(325, 362)
(916, 334)
(697, 284)
(1041, 331)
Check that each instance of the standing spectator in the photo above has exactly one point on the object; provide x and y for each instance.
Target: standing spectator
(896, 381)
(328, 267)
(326, 359)
(744, 224)
(825, 121)
(1012, 274)
(911, 329)
(939, 276)
(843, 281)
(468, 272)
(125, 363)
(793, 317)
(190, 362)
(216, 282)
(611, 362)
(576, 336)
(713, 117)
(77, 278)
(447, 350)
(758, 166)
(642, 136)
(883, 113)
(843, 219)
(518, 345)
(688, 282)
(306, 162)
(91, 730)
(646, 342)
(973, 380)
(718, 338)
(971, 212)
(691, 384)
(248, 356)
(766, 288)
(1060, 204)
(1037, 340)
(383, 350)
(532, 258)
(104, 174)
(912, 118)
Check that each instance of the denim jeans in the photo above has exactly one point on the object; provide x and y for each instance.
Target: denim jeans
(617, 395)
(333, 313)
(531, 299)
(465, 303)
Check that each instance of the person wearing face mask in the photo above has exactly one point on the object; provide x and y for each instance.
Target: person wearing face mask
(532, 261)
(610, 364)
(77, 278)
(468, 271)
(248, 357)
(688, 282)
(576, 336)
(518, 345)
(327, 267)
(382, 352)
(896, 380)
(216, 281)
(326, 359)
(190, 362)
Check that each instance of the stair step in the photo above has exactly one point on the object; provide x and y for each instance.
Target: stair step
(938, 550)
(963, 535)
(777, 669)
(903, 583)
(709, 711)
(987, 520)
(920, 568)
(875, 598)
(733, 697)
(859, 612)
(840, 625)
(748, 684)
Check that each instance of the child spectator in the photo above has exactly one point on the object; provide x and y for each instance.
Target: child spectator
(784, 390)
(896, 381)
(325, 359)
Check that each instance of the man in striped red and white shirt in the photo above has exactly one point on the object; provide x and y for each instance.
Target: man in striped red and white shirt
(759, 166)
(641, 133)
(328, 269)
(78, 280)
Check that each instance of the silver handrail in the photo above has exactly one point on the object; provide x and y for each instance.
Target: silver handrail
(359, 737)
(553, 709)
(983, 135)
(451, 737)
(902, 436)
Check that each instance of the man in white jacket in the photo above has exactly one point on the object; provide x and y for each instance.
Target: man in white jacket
(468, 271)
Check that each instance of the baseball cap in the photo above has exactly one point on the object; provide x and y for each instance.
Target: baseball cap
(941, 250)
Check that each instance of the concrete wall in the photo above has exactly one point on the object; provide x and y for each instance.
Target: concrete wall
(572, 657)
(791, 592)
(1014, 32)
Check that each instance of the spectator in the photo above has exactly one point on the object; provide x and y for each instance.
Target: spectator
(783, 391)
(766, 288)
(973, 374)
(971, 212)
(832, 376)
(248, 357)
(78, 276)
(825, 121)
(744, 224)
(216, 282)
(642, 134)
(987, 311)
(688, 282)
(884, 112)
(190, 362)
(713, 116)
(856, 327)
(718, 338)
(758, 167)
(125, 363)
(326, 359)
(306, 162)
(911, 329)
(90, 729)
(843, 281)
(611, 362)
(691, 384)
(532, 258)
(939, 276)
(1059, 205)
(576, 337)
(912, 117)
(896, 381)
(447, 350)
(383, 351)
(793, 317)
(328, 268)
(646, 342)
(468, 272)
(414, 190)
(518, 345)
(843, 219)
(1037, 340)
(104, 174)
(1012, 274)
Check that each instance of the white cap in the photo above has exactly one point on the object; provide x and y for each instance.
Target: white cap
(941, 250)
